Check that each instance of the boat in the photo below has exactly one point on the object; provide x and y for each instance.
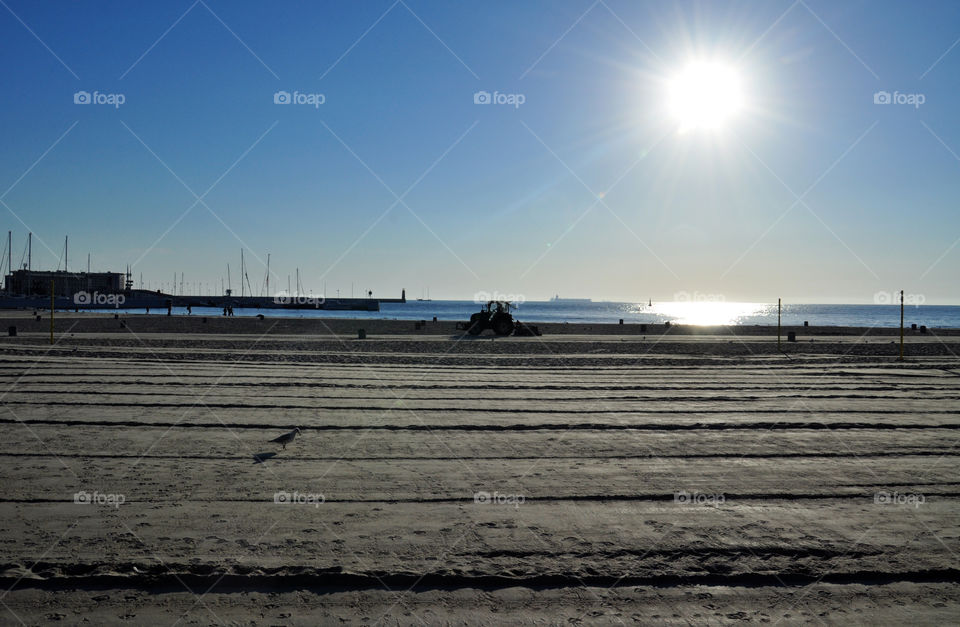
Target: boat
(557, 299)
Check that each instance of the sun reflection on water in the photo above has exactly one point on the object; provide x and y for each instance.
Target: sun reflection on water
(708, 313)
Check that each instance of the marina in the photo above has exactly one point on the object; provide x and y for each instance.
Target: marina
(27, 288)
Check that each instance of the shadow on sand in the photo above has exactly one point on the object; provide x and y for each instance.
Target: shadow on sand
(259, 458)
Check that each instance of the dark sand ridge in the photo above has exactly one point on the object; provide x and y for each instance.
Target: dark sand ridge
(597, 430)
(104, 322)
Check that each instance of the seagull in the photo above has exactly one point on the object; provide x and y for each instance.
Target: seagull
(287, 438)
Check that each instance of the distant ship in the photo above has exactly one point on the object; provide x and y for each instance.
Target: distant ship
(557, 299)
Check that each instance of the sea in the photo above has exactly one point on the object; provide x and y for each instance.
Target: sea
(676, 312)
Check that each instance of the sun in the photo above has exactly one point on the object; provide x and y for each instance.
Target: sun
(705, 95)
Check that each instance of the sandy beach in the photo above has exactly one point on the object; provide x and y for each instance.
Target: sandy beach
(407, 312)
(599, 474)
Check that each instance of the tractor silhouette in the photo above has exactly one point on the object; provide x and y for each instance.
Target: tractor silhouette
(495, 315)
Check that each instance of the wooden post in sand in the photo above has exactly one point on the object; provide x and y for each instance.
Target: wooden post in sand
(778, 324)
(901, 325)
(51, 311)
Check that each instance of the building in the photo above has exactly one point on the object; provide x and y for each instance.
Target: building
(37, 282)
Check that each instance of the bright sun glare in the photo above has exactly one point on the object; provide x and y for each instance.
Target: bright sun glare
(705, 95)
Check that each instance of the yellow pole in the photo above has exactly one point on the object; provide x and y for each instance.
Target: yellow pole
(901, 325)
(778, 324)
(51, 311)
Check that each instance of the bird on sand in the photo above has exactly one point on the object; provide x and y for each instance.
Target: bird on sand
(287, 438)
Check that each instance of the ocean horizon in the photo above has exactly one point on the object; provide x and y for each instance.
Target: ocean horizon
(701, 313)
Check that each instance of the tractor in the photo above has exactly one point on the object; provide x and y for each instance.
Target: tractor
(496, 315)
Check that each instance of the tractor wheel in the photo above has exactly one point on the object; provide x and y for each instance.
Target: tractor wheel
(476, 325)
(503, 327)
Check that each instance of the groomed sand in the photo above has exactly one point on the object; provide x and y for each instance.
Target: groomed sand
(596, 475)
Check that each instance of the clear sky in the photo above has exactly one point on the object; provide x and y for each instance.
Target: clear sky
(581, 181)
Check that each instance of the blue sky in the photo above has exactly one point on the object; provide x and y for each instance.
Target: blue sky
(585, 189)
